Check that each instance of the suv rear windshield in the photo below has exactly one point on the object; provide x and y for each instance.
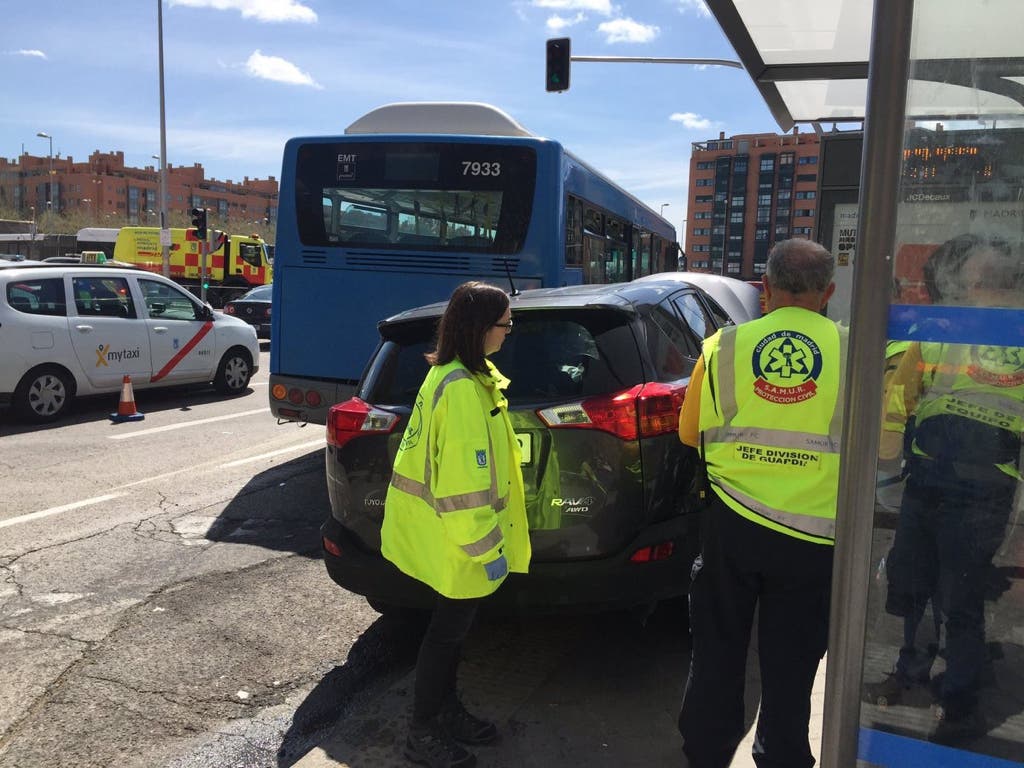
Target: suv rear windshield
(550, 355)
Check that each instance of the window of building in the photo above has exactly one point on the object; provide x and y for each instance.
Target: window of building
(702, 215)
(736, 217)
(701, 231)
(704, 182)
(806, 195)
(767, 163)
(703, 199)
(784, 194)
(764, 215)
(759, 269)
(786, 159)
(802, 231)
(739, 201)
(809, 160)
(763, 200)
(733, 268)
(718, 230)
(705, 165)
(803, 212)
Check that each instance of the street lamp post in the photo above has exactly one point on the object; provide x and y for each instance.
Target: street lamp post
(164, 224)
(49, 177)
(663, 207)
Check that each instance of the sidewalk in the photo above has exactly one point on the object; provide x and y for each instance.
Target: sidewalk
(562, 696)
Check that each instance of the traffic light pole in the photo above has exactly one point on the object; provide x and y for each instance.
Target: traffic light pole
(654, 60)
(559, 55)
(204, 250)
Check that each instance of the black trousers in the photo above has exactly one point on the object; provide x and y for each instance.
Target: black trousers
(438, 660)
(743, 566)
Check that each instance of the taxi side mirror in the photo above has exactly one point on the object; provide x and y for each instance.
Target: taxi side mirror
(204, 313)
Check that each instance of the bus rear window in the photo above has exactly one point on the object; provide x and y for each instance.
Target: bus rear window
(425, 196)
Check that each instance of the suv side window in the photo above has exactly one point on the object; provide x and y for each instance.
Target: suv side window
(167, 302)
(103, 297)
(44, 296)
(691, 310)
(721, 317)
(674, 350)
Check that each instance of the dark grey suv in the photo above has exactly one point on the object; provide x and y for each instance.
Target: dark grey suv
(598, 375)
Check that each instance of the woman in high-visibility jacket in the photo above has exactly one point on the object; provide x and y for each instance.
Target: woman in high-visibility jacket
(455, 515)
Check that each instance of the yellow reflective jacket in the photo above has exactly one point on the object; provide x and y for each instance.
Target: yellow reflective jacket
(771, 413)
(456, 496)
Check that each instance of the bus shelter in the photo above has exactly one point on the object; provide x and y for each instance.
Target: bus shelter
(929, 569)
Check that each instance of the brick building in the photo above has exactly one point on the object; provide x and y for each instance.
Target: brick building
(747, 192)
(103, 189)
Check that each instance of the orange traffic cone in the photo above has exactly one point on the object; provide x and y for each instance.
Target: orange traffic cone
(126, 407)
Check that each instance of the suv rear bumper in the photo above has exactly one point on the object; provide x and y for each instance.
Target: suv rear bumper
(571, 586)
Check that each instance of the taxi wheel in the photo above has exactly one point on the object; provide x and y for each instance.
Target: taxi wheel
(234, 372)
(44, 394)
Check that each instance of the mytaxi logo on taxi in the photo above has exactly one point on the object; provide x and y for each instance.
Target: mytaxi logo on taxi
(104, 355)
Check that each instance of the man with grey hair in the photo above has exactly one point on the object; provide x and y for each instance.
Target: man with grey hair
(764, 406)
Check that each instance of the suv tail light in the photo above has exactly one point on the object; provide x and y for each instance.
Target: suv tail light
(645, 410)
(354, 418)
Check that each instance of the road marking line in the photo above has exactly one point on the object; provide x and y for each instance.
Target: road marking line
(300, 447)
(57, 510)
(171, 427)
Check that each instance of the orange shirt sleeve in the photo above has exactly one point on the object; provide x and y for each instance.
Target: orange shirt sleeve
(689, 415)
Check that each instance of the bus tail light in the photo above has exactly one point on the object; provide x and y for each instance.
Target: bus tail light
(355, 418)
(644, 410)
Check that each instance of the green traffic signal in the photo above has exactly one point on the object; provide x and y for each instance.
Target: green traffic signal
(558, 61)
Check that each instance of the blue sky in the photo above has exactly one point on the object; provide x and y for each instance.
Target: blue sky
(243, 76)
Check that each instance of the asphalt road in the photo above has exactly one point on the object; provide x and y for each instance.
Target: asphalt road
(161, 589)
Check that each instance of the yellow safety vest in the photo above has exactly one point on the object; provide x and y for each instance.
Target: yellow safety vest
(456, 496)
(983, 384)
(771, 413)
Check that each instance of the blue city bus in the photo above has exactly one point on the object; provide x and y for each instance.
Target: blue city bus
(411, 201)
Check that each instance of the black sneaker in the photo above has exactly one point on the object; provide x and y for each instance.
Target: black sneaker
(430, 745)
(467, 728)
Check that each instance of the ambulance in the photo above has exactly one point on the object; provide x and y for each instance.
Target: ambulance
(79, 329)
(234, 264)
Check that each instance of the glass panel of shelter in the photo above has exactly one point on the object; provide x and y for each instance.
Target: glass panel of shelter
(944, 656)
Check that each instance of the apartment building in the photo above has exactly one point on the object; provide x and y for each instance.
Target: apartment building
(104, 189)
(747, 192)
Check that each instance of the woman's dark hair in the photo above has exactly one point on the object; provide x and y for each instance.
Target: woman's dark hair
(472, 311)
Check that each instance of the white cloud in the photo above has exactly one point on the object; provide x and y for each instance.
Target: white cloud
(691, 120)
(627, 31)
(260, 10)
(558, 23)
(34, 52)
(603, 7)
(696, 6)
(279, 70)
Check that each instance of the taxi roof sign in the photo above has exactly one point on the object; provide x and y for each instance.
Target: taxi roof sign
(94, 257)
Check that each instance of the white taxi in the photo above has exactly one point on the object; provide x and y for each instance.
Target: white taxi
(69, 330)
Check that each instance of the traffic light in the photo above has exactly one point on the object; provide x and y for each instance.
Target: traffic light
(557, 78)
(199, 222)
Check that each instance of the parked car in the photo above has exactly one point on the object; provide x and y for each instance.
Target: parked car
(598, 375)
(68, 330)
(741, 299)
(254, 308)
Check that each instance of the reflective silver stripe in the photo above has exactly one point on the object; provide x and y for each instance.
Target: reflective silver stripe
(821, 527)
(990, 400)
(726, 372)
(444, 504)
(458, 373)
(484, 545)
(835, 426)
(776, 438)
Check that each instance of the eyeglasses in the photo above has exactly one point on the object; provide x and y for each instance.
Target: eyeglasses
(507, 326)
